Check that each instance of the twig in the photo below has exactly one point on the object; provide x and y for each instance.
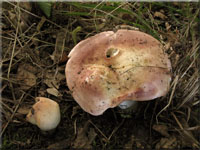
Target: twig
(125, 3)
(178, 122)
(75, 128)
(170, 99)
(13, 50)
(189, 134)
(99, 130)
(13, 114)
(115, 130)
(10, 109)
(192, 128)
(34, 14)
(96, 7)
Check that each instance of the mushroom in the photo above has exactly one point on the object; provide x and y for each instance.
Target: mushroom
(111, 68)
(45, 113)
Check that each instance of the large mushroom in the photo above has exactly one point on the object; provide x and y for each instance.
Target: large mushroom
(112, 68)
(45, 113)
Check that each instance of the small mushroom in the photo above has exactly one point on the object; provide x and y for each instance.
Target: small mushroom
(45, 113)
(112, 68)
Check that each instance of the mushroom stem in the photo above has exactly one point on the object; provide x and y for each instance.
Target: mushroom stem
(127, 104)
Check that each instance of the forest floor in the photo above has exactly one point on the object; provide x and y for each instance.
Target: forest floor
(36, 35)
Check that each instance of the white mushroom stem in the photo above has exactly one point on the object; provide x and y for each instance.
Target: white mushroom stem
(127, 104)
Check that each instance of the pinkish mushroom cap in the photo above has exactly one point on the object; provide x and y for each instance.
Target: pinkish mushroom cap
(109, 68)
(45, 113)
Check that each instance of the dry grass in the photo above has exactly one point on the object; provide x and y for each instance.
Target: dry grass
(29, 40)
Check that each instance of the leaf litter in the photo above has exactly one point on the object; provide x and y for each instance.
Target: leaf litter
(37, 55)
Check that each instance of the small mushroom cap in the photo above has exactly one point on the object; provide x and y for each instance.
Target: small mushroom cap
(108, 68)
(45, 113)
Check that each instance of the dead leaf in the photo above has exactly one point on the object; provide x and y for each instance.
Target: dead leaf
(24, 110)
(162, 129)
(82, 140)
(64, 57)
(53, 91)
(26, 76)
(59, 55)
(167, 25)
(175, 58)
(127, 27)
(60, 145)
(139, 144)
(168, 143)
(130, 143)
(53, 79)
(167, 46)
(75, 111)
(160, 15)
(24, 16)
(26, 5)
(173, 38)
(187, 136)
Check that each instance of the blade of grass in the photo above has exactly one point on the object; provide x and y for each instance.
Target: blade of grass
(144, 25)
(167, 5)
(77, 13)
(45, 7)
